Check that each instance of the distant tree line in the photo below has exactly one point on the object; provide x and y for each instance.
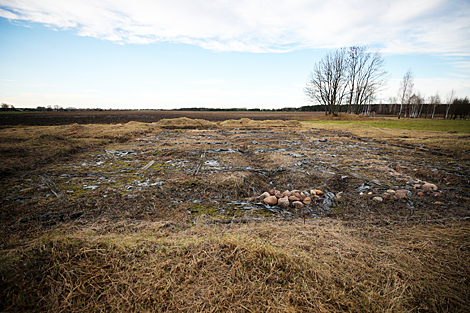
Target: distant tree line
(414, 107)
(7, 107)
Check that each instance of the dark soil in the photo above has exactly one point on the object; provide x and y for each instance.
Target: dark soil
(114, 117)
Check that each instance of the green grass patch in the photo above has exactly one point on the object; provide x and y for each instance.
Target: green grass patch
(461, 126)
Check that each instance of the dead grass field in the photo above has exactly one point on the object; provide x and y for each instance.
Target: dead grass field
(86, 226)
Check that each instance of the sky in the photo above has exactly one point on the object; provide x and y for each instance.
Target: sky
(156, 54)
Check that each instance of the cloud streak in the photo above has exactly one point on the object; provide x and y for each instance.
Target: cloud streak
(398, 26)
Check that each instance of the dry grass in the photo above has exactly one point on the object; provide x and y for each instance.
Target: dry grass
(147, 253)
(449, 142)
(27, 147)
(271, 266)
(246, 123)
(185, 123)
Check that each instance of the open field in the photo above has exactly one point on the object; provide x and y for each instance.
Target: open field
(110, 117)
(163, 216)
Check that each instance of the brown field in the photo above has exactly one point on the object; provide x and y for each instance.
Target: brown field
(114, 117)
(161, 216)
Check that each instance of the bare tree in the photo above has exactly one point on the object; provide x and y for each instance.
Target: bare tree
(416, 103)
(434, 101)
(449, 101)
(350, 76)
(405, 91)
(366, 76)
(327, 83)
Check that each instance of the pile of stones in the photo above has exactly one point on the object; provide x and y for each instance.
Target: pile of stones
(294, 199)
(422, 190)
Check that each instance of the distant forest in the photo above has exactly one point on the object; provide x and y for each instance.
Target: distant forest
(459, 108)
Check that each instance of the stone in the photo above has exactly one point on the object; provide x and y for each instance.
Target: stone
(271, 200)
(302, 196)
(421, 193)
(298, 204)
(391, 192)
(307, 200)
(417, 186)
(297, 195)
(402, 193)
(272, 192)
(370, 193)
(283, 202)
(429, 187)
(319, 200)
(294, 198)
(378, 199)
(264, 195)
(439, 203)
(436, 194)
(287, 193)
(313, 192)
(278, 194)
(318, 192)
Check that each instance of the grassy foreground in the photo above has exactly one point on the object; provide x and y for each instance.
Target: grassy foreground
(270, 266)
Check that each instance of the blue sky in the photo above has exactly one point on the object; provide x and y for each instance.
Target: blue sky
(254, 54)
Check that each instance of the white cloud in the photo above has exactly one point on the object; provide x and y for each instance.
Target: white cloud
(398, 26)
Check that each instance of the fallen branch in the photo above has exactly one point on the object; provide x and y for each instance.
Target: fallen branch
(52, 186)
(200, 163)
(146, 167)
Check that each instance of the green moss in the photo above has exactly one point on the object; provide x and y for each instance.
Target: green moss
(200, 209)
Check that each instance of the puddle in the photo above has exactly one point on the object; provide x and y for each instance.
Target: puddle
(90, 187)
(297, 155)
(121, 153)
(245, 205)
(211, 163)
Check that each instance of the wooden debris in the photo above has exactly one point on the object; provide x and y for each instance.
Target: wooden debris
(146, 167)
(200, 163)
(52, 186)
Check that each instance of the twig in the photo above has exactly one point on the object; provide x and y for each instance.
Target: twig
(146, 167)
(201, 162)
(52, 186)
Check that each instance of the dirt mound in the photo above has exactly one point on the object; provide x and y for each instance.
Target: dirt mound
(248, 123)
(245, 123)
(185, 123)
